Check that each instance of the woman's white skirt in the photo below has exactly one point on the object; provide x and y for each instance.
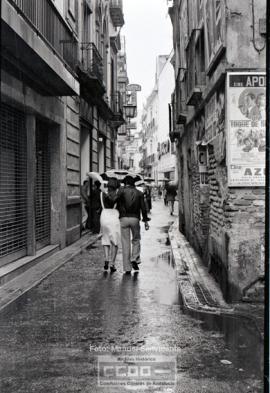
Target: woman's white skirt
(110, 227)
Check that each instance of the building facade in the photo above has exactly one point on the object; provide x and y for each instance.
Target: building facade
(101, 102)
(60, 112)
(219, 68)
(166, 153)
(38, 90)
(126, 139)
(159, 159)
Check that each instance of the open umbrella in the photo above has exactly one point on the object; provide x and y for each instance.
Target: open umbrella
(164, 179)
(96, 176)
(117, 173)
(173, 183)
(148, 179)
(120, 174)
(140, 185)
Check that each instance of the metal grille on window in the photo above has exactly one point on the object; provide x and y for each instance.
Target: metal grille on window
(13, 185)
(43, 194)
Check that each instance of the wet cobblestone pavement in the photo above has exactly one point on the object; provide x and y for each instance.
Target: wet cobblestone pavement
(48, 344)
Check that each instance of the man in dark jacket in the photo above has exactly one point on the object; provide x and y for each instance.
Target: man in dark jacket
(131, 205)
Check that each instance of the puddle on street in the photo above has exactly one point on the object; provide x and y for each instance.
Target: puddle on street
(243, 341)
(168, 293)
(166, 228)
(242, 338)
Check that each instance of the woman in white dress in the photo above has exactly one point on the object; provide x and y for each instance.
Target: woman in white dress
(110, 224)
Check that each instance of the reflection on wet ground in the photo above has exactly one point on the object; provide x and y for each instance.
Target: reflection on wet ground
(242, 337)
(239, 333)
(45, 341)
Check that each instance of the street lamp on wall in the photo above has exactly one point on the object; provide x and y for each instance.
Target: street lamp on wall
(130, 111)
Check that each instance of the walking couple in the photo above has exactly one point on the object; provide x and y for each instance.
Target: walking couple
(120, 217)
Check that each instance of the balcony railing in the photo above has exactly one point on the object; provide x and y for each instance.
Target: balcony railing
(195, 75)
(116, 106)
(44, 17)
(150, 160)
(117, 103)
(116, 11)
(92, 61)
(179, 100)
(176, 132)
(116, 4)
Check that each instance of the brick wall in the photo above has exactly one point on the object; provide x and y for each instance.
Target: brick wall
(224, 225)
(236, 234)
(193, 199)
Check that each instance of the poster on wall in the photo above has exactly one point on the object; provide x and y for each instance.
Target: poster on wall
(246, 139)
(214, 30)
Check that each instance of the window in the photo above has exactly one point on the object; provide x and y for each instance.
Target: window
(60, 6)
(199, 61)
(71, 12)
(71, 8)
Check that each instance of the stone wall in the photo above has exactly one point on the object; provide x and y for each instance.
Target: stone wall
(73, 171)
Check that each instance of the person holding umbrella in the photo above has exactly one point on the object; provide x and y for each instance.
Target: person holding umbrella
(131, 206)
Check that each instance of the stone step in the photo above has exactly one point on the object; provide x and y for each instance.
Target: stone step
(12, 270)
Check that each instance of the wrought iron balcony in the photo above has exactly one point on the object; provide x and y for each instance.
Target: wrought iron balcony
(176, 132)
(48, 23)
(90, 70)
(195, 81)
(150, 160)
(116, 12)
(116, 105)
(181, 115)
(92, 61)
(179, 99)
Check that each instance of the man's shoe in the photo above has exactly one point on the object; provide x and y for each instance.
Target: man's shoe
(128, 272)
(113, 269)
(106, 265)
(135, 266)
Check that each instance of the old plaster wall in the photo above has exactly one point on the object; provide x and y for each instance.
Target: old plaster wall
(236, 234)
(241, 46)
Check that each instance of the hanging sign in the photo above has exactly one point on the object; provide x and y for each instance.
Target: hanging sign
(133, 87)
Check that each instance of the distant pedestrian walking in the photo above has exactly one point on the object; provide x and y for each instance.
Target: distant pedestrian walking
(148, 199)
(170, 196)
(110, 224)
(131, 206)
(95, 207)
(165, 196)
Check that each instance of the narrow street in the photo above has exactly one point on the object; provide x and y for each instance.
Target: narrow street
(51, 341)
